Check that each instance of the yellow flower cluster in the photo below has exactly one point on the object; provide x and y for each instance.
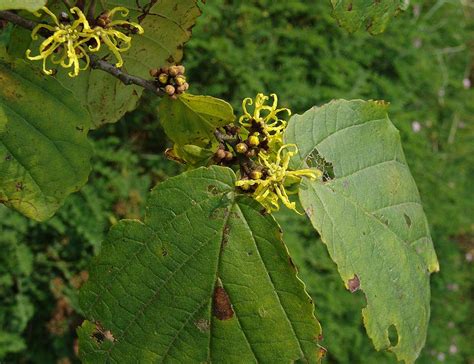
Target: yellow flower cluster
(266, 116)
(71, 42)
(271, 187)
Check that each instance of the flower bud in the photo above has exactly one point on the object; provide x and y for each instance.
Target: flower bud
(180, 80)
(163, 78)
(256, 175)
(253, 140)
(241, 148)
(170, 90)
(181, 69)
(186, 86)
(245, 187)
(220, 154)
(154, 72)
(228, 156)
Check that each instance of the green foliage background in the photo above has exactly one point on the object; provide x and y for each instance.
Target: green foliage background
(421, 65)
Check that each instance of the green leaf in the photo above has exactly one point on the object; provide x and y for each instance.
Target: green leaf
(205, 278)
(30, 5)
(192, 119)
(167, 27)
(44, 152)
(370, 216)
(10, 343)
(375, 15)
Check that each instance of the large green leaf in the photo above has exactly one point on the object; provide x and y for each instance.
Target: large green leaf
(167, 26)
(370, 216)
(30, 5)
(374, 14)
(192, 119)
(205, 278)
(44, 152)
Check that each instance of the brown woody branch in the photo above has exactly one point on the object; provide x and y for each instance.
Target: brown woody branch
(96, 63)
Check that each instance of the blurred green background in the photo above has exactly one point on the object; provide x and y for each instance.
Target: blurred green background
(423, 65)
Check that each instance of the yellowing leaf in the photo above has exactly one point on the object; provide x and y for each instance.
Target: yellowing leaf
(44, 152)
(370, 216)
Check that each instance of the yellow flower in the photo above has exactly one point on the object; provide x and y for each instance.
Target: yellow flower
(266, 117)
(67, 40)
(271, 188)
(115, 40)
(73, 42)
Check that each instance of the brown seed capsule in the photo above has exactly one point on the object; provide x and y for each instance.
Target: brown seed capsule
(180, 89)
(163, 78)
(219, 154)
(170, 90)
(173, 71)
(251, 153)
(228, 156)
(241, 148)
(154, 72)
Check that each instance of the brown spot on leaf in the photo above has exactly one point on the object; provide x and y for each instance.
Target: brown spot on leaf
(100, 334)
(225, 235)
(292, 264)
(19, 186)
(203, 325)
(322, 352)
(407, 219)
(221, 307)
(353, 284)
(349, 7)
(213, 190)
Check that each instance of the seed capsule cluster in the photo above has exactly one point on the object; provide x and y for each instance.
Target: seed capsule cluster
(239, 148)
(170, 80)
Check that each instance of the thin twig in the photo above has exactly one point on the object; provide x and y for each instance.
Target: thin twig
(18, 20)
(127, 79)
(96, 63)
